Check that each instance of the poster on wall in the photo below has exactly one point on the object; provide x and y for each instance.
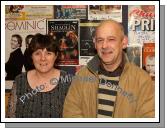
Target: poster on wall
(70, 11)
(141, 24)
(15, 12)
(134, 54)
(28, 12)
(87, 32)
(18, 34)
(103, 12)
(149, 59)
(66, 35)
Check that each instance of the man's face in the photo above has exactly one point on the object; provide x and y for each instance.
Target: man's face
(14, 43)
(150, 66)
(109, 43)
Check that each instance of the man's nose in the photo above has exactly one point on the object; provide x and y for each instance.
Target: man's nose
(105, 44)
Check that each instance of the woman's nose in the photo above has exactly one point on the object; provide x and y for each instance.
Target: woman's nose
(43, 56)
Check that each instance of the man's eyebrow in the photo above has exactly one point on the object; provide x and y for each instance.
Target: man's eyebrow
(111, 37)
(99, 38)
(107, 37)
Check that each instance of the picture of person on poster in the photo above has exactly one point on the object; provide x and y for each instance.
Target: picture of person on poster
(72, 39)
(72, 42)
(14, 65)
(150, 65)
(27, 58)
(134, 54)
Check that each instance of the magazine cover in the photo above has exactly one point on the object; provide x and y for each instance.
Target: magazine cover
(87, 32)
(134, 54)
(15, 12)
(66, 35)
(141, 24)
(149, 58)
(103, 12)
(28, 12)
(70, 11)
(18, 34)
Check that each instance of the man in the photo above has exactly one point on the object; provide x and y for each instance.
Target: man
(110, 86)
(27, 58)
(15, 63)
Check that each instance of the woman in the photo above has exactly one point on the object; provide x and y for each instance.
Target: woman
(39, 93)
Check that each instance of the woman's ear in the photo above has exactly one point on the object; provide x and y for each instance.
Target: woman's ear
(125, 42)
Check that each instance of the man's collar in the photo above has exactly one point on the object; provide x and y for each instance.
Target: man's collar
(94, 64)
(116, 72)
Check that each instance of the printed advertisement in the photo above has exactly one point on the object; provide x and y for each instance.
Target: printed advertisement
(141, 24)
(65, 34)
(149, 58)
(103, 12)
(87, 49)
(18, 34)
(28, 12)
(70, 11)
(134, 54)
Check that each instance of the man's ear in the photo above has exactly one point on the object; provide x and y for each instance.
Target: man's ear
(125, 42)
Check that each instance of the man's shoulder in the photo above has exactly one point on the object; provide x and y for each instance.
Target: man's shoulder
(134, 70)
(83, 70)
(17, 52)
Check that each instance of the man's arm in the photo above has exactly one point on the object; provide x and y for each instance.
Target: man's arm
(72, 104)
(146, 99)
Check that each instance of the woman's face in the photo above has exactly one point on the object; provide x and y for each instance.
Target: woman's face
(43, 60)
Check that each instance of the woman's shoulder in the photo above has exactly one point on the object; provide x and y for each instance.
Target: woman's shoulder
(65, 77)
(20, 81)
(21, 76)
(63, 73)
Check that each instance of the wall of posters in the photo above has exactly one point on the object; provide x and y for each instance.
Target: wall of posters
(141, 31)
(79, 22)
